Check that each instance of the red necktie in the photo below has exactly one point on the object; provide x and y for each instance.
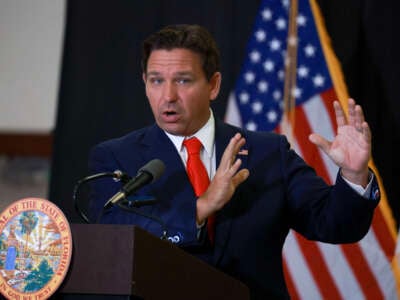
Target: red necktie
(198, 176)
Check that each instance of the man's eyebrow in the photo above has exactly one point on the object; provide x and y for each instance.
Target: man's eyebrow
(184, 73)
(180, 73)
(153, 73)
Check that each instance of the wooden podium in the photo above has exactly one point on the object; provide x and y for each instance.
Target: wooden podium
(126, 262)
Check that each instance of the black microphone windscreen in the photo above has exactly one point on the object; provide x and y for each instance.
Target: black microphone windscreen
(154, 167)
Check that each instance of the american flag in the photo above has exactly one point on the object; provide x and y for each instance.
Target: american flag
(288, 82)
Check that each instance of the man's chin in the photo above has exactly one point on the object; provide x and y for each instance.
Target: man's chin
(173, 129)
(177, 130)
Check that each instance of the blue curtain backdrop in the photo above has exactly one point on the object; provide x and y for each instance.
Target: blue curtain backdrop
(102, 95)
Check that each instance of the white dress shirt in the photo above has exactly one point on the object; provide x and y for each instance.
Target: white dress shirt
(206, 135)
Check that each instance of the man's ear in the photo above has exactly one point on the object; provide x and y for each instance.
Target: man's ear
(144, 77)
(215, 85)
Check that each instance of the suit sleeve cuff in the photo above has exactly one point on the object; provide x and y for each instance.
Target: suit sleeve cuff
(364, 192)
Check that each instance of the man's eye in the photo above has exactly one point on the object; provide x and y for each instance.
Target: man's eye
(183, 80)
(155, 80)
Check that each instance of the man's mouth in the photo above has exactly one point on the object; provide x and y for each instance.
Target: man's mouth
(170, 113)
(170, 116)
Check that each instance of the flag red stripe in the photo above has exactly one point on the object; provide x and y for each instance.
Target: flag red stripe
(289, 282)
(362, 271)
(328, 97)
(383, 234)
(310, 152)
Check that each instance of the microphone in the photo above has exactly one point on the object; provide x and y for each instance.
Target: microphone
(146, 174)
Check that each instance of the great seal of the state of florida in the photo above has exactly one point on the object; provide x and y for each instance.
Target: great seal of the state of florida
(35, 249)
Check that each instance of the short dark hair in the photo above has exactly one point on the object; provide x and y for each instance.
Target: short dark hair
(192, 37)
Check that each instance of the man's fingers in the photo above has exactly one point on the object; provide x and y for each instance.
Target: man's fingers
(235, 167)
(229, 155)
(320, 142)
(359, 117)
(339, 113)
(352, 112)
(228, 152)
(240, 176)
(356, 117)
(366, 131)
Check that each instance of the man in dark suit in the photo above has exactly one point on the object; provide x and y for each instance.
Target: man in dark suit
(259, 188)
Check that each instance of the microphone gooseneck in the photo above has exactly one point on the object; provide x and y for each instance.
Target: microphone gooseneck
(117, 175)
(147, 174)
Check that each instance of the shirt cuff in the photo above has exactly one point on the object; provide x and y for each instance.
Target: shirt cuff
(365, 192)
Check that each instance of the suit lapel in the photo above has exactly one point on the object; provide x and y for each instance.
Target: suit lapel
(175, 181)
(159, 146)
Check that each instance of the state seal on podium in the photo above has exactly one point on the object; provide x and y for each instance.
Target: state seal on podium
(35, 249)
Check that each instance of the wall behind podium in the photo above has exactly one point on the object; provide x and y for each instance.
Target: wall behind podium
(31, 35)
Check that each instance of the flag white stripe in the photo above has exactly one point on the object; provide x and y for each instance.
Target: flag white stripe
(232, 115)
(379, 264)
(317, 116)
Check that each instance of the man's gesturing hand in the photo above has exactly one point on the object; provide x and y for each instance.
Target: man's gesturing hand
(225, 181)
(351, 148)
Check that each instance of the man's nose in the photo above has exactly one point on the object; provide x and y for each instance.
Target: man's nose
(170, 92)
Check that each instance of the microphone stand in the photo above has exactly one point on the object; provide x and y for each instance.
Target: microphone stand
(117, 175)
(132, 208)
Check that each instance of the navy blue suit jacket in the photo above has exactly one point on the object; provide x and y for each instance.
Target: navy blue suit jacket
(282, 192)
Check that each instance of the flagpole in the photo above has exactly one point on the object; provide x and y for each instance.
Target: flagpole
(289, 97)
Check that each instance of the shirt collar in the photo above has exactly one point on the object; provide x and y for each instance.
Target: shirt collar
(205, 134)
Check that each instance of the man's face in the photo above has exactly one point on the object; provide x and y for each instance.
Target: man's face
(178, 90)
